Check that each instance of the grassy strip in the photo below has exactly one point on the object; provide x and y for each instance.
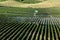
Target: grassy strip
(28, 1)
(28, 11)
(2, 0)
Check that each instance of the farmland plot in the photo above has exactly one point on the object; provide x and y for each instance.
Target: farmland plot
(35, 28)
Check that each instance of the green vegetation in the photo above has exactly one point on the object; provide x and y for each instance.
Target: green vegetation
(30, 31)
(14, 11)
(29, 1)
(18, 23)
(2, 0)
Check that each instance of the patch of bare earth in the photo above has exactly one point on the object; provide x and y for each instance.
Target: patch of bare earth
(45, 4)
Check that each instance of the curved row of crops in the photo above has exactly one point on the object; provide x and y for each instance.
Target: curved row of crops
(45, 29)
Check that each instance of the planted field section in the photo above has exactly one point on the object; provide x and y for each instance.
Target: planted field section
(14, 11)
(40, 29)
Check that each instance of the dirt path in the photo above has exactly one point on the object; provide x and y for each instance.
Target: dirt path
(44, 4)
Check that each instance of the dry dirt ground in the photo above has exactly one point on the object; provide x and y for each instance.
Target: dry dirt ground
(45, 4)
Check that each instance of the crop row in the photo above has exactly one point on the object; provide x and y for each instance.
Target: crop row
(44, 30)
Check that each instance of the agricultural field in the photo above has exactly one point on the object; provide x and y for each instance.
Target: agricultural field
(30, 19)
(13, 11)
(34, 29)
